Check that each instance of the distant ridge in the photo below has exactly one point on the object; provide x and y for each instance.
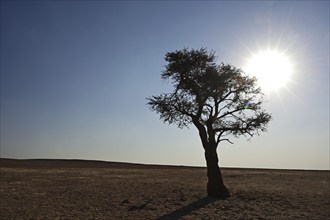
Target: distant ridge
(78, 163)
(81, 163)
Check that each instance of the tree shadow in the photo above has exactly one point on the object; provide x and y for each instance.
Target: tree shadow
(186, 210)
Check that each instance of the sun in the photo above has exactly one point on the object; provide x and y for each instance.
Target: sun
(272, 69)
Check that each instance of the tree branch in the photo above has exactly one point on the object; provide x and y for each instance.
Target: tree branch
(226, 139)
(230, 113)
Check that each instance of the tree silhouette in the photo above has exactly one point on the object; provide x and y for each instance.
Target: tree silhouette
(220, 100)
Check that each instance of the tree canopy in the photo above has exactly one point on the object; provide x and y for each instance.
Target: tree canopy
(220, 100)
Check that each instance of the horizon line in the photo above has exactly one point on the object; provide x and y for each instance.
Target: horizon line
(152, 164)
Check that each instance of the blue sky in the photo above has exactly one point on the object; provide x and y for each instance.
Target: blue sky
(75, 76)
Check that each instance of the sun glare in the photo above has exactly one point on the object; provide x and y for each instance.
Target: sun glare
(272, 69)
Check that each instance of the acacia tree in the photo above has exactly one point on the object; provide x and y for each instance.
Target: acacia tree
(220, 100)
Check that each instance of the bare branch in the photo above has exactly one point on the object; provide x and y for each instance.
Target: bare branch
(226, 139)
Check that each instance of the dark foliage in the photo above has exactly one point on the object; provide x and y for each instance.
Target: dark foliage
(219, 100)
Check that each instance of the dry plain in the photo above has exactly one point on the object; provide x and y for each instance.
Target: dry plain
(73, 189)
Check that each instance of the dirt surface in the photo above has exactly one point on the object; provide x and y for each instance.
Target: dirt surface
(119, 191)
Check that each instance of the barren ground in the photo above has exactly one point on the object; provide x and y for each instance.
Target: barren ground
(90, 190)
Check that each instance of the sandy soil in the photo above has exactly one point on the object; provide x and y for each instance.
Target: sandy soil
(53, 190)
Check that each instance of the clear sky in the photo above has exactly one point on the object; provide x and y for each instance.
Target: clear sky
(75, 76)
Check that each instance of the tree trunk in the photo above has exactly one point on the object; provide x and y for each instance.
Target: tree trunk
(215, 185)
